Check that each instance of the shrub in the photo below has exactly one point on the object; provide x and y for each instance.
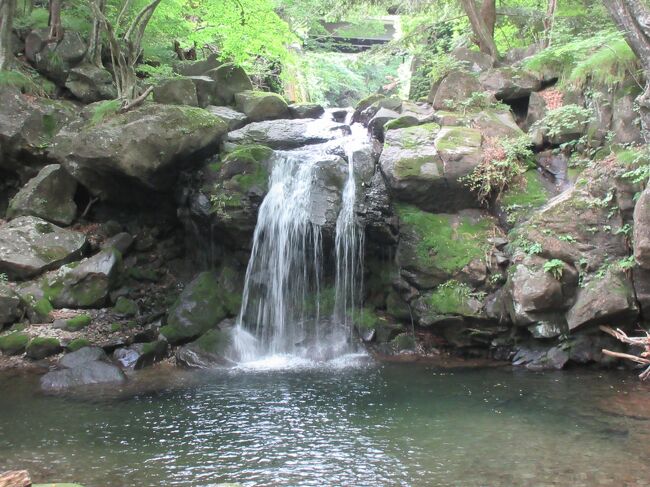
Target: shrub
(555, 267)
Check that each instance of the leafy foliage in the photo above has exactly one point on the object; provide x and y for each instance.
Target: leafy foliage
(555, 267)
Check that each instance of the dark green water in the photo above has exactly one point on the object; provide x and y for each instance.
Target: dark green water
(378, 425)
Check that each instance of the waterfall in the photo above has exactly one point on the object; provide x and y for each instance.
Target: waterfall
(282, 313)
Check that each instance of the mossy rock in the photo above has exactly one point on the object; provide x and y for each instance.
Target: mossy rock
(208, 351)
(13, 343)
(41, 347)
(434, 247)
(519, 200)
(77, 344)
(403, 342)
(78, 322)
(204, 303)
(125, 307)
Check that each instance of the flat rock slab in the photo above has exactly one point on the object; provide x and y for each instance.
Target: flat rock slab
(30, 245)
(89, 373)
(288, 134)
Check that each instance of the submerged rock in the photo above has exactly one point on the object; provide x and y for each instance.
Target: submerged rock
(82, 357)
(90, 373)
(29, 246)
(49, 195)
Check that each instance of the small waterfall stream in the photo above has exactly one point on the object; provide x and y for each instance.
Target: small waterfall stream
(285, 313)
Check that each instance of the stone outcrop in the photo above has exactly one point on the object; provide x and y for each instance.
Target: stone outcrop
(29, 246)
(123, 155)
(261, 105)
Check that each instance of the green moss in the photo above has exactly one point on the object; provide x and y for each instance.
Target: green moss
(366, 319)
(13, 343)
(411, 166)
(400, 123)
(403, 341)
(78, 322)
(43, 307)
(173, 334)
(140, 274)
(214, 341)
(445, 242)
(369, 100)
(104, 110)
(531, 195)
(125, 307)
(31, 84)
(77, 344)
(451, 298)
(455, 137)
(115, 327)
(43, 342)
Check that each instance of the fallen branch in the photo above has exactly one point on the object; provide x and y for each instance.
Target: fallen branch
(137, 101)
(644, 342)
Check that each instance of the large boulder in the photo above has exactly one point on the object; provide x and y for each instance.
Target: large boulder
(10, 307)
(202, 305)
(84, 284)
(606, 300)
(261, 105)
(82, 357)
(509, 83)
(176, 91)
(206, 89)
(286, 134)
(29, 246)
(128, 151)
(233, 118)
(424, 165)
(54, 60)
(456, 87)
(27, 127)
(49, 195)
(209, 351)
(230, 80)
(642, 230)
(91, 373)
(39, 348)
(89, 83)
(381, 118)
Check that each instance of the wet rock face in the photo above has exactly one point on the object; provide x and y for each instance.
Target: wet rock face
(30, 245)
(287, 134)
(209, 351)
(119, 157)
(49, 195)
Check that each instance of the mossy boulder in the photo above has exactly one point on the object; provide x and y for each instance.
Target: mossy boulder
(261, 105)
(41, 347)
(89, 83)
(54, 59)
(77, 344)
(520, 199)
(424, 165)
(83, 284)
(450, 300)
(209, 351)
(123, 156)
(30, 245)
(434, 248)
(202, 305)
(13, 343)
(49, 195)
(454, 88)
(306, 110)
(125, 307)
(233, 118)
(78, 322)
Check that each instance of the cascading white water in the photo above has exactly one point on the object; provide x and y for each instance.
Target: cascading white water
(281, 314)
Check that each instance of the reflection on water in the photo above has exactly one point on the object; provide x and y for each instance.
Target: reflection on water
(364, 425)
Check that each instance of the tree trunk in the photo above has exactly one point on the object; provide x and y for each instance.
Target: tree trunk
(548, 22)
(56, 29)
(633, 18)
(482, 24)
(7, 11)
(94, 54)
